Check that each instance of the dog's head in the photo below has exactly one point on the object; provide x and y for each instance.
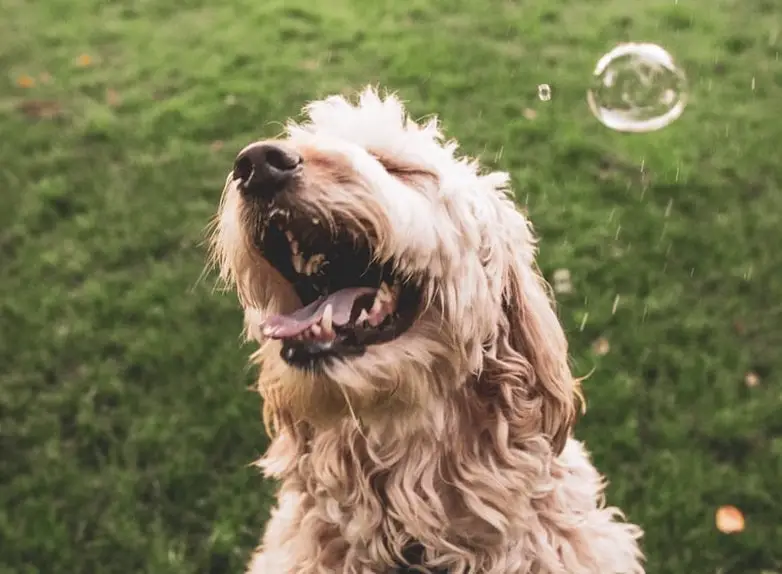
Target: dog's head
(382, 274)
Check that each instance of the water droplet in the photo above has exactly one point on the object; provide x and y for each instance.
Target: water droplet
(751, 379)
(637, 88)
(544, 92)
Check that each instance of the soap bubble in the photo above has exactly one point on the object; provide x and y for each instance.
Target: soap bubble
(544, 92)
(637, 88)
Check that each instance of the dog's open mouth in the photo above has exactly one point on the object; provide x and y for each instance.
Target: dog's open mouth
(349, 300)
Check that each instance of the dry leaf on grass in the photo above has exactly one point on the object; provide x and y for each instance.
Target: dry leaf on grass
(84, 60)
(25, 81)
(44, 109)
(729, 519)
(216, 146)
(601, 347)
(529, 113)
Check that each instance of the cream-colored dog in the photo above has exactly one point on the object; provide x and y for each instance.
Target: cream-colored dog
(414, 374)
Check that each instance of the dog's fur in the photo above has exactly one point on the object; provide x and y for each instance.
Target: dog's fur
(455, 436)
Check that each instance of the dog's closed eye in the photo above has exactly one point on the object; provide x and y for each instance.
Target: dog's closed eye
(411, 174)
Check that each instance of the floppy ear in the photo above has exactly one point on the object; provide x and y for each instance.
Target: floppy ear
(528, 372)
(535, 336)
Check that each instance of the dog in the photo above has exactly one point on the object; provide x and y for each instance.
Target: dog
(413, 371)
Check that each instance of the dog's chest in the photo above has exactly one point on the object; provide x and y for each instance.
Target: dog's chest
(414, 554)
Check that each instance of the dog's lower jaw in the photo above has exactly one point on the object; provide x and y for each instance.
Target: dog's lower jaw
(545, 517)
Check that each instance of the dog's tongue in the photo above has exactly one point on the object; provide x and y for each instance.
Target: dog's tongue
(342, 302)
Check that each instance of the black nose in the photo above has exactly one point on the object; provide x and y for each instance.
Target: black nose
(265, 169)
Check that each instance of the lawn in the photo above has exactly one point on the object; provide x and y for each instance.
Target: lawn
(127, 426)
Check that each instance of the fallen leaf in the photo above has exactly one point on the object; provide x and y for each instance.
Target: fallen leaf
(25, 81)
(751, 379)
(216, 145)
(601, 347)
(45, 77)
(530, 114)
(84, 60)
(729, 519)
(112, 98)
(44, 109)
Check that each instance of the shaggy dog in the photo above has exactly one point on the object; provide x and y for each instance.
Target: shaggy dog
(414, 375)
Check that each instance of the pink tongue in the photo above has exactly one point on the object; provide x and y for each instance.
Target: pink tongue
(284, 326)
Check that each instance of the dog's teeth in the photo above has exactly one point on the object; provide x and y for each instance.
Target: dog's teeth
(316, 330)
(289, 235)
(298, 262)
(362, 317)
(314, 263)
(326, 320)
(294, 247)
(268, 331)
(315, 221)
(383, 293)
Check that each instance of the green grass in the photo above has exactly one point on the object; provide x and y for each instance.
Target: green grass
(126, 424)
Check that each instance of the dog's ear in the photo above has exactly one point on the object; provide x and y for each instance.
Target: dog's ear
(528, 372)
(536, 338)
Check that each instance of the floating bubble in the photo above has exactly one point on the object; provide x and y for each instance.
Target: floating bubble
(637, 88)
(544, 92)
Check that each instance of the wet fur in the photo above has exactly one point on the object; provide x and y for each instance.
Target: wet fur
(456, 436)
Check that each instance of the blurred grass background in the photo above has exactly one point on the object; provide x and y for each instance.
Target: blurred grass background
(126, 424)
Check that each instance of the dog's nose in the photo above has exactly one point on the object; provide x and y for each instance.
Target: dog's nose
(264, 169)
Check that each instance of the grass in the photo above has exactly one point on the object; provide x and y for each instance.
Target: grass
(126, 425)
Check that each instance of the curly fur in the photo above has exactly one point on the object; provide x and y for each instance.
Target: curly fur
(456, 435)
